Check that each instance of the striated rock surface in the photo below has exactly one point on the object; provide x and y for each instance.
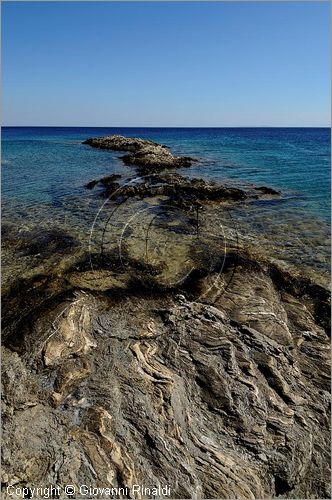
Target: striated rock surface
(148, 156)
(224, 397)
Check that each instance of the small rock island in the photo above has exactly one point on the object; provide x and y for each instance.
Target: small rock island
(143, 153)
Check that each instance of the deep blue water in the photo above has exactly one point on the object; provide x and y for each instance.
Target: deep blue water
(45, 164)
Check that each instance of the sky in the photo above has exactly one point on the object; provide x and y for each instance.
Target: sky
(208, 64)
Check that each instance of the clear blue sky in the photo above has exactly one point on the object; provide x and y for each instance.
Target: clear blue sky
(166, 64)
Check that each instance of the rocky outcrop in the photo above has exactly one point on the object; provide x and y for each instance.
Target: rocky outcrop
(148, 156)
(157, 158)
(120, 143)
(173, 356)
(221, 397)
(175, 187)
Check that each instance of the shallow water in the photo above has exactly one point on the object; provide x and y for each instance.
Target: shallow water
(44, 171)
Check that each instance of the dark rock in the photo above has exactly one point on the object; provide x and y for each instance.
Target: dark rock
(267, 190)
(91, 184)
(41, 242)
(177, 188)
(108, 181)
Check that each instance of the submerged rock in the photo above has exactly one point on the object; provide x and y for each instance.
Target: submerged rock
(174, 186)
(108, 182)
(39, 242)
(267, 190)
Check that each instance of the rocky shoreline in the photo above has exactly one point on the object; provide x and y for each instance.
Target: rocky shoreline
(184, 358)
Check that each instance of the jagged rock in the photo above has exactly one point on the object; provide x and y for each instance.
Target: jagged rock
(147, 155)
(155, 158)
(175, 186)
(179, 189)
(120, 143)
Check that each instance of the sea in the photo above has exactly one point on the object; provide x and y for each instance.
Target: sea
(45, 169)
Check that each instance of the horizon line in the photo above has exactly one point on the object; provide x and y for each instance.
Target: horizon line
(167, 126)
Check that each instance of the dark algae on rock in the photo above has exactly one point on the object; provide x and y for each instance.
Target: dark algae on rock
(183, 359)
(175, 187)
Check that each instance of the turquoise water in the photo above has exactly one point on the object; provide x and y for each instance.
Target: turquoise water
(44, 171)
(43, 165)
